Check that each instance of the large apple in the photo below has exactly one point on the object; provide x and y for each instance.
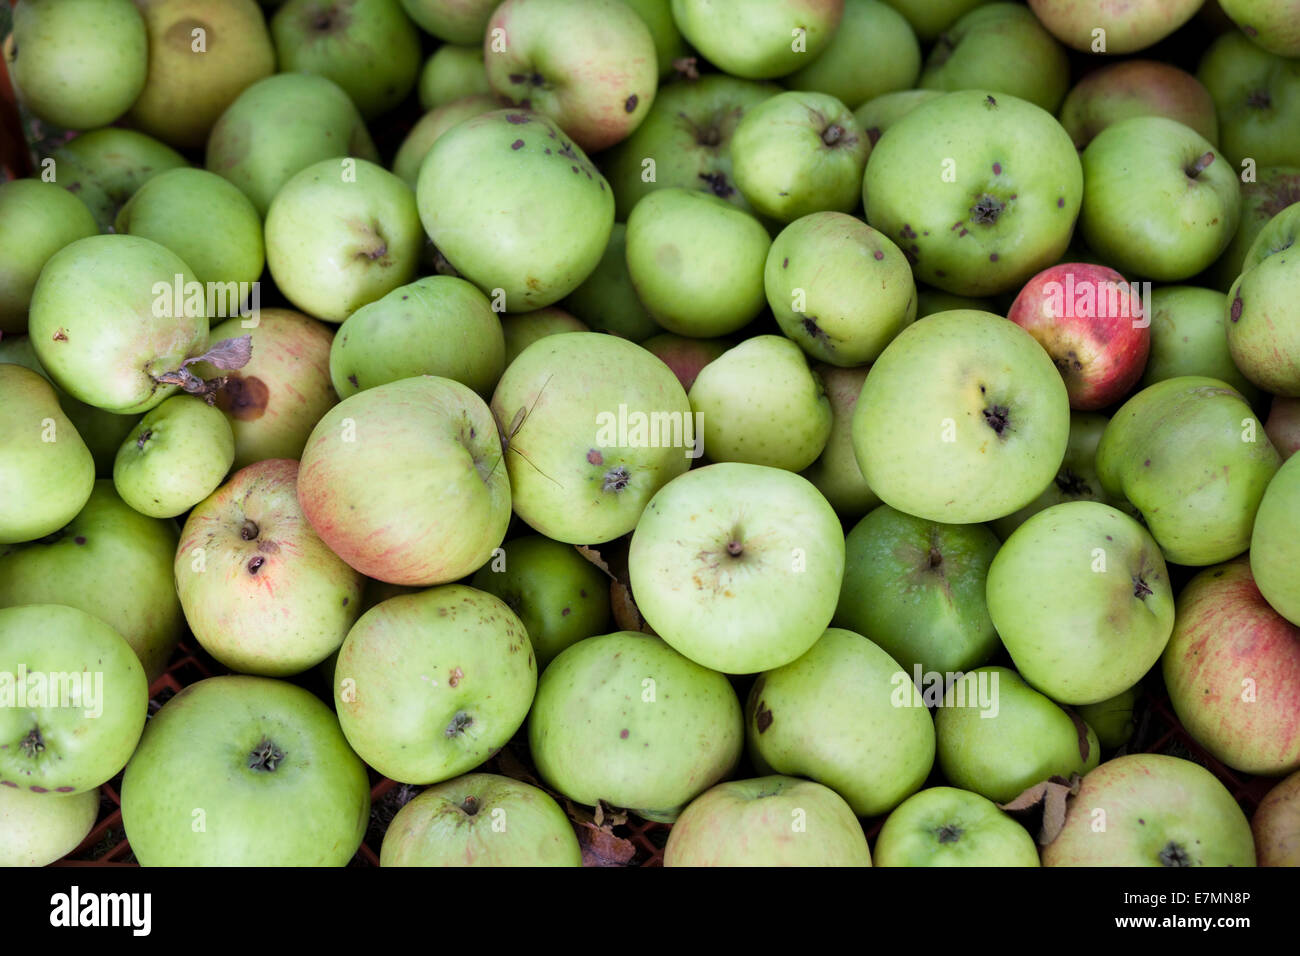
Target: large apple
(1255, 94)
(1189, 336)
(836, 473)
(874, 51)
(1118, 91)
(944, 826)
(36, 830)
(1262, 333)
(1276, 824)
(758, 39)
(37, 219)
(1100, 26)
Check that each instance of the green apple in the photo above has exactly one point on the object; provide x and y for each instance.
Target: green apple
(47, 473)
(1261, 335)
(78, 63)
(464, 686)
(760, 403)
(481, 819)
(1276, 824)
(1152, 810)
(202, 54)
(368, 47)
(593, 426)
(109, 561)
(1275, 542)
(944, 826)
(767, 821)
(1099, 26)
(73, 700)
(758, 39)
(798, 153)
(696, 262)
(450, 73)
(1000, 47)
(624, 719)
(36, 830)
(1112, 718)
(244, 771)
(878, 114)
(1130, 88)
(606, 301)
(838, 288)
(916, 589)
(559, 595)
(835, 715)
(1256, 94)
(961, 393)
(836, 473)
(105, 167)
(1081, 598)
(874, 51)
(410, 155)
(1274, 26)
(37, 219)
(929, 18)
(438, 325)
(1198, 476)
(524, 329)
(1266, 194)
(174, 457)
(280, 126)
(669, 45)
(1189, 336)
(738, 566)
(455, 21)
(979, 189)
(514, 205)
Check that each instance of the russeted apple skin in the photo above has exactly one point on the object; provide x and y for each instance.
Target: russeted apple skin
(945, 826)
(1276, 824)
(1232, 668)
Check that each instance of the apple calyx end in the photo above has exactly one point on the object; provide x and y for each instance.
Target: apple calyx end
(265, 757)
(459, 724)
(948, 833)
(33, 745)
(1173, 855)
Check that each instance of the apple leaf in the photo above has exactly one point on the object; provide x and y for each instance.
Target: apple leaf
(227, 355)
(627, 616)
(1050, 796)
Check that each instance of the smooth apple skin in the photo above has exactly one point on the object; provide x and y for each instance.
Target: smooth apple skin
(607, 301)
(174, 457)
(454, 21)
(1275, 542)
(1273, 26)
(1128, 27)
(1159, 811)
(669, 45)
(874, 51)
(36, 830)
(1256, 95)
(481, 819)
(929, 18)
(410, 155)
(836, 472)
(1112, 718)
(104, 168)
(1283, 425)
(523, 329)
(37, 219)
(1262, 334)
(686, 357)
(876, 115)
(1273, 189)
(452, 72)
(1189, 336)
(944, 826)
(767, 821)
(753, 38)
(1118, 91)
(1276, 825)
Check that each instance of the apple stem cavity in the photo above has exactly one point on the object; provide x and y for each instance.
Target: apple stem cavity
(144, 438)
(249, 530)
(470, 806)
(998, 418)
(265, 757)
(1140, 588)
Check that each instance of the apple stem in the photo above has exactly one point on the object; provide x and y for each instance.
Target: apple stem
(1200, 165)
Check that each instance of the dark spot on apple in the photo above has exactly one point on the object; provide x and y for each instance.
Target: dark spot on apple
(812, 328)
(574, 168)
(249, 530)
(1147, 463)
(1236, 308)
(623, 734)
(616, 479)
(1141, 822)
(1060, 202)
(1072, 485)
(949, 833)
(255, 563)
(998, 418)
(1141, 589)
(517, 119)
(1069, 362)
(762, 717)
(595, 458)
(458, 724)
(265, 757)
(629, 105)
(353, 380)
(907, 232)
(879, 255)
(345, 602)
(455, 676)
(60, 335)
(993, 257)
(997, 169)
(35, 789)
(785, 263)
(548, 151)
(8, 783)
(470, 806)
(80, 539)
(517, 144)
(718, 185)
(1174, 855)
(1259, 99)
(64, 789)
(990, 102)
(244, 399)
(873, 134)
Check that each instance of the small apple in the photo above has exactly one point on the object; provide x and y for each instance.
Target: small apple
(1118, 91)
(874, 51)
(174, 457)
(1099, 26)
(758, 39)
(525, 328)
(450, 73)
(686, 357)
(36, 830)
(1189, 337)
(1112, 718)
(1262, 338)
(944, 826)
(1276, 824)
(37, 219)
(669, 45)
(1275, 542)
(836, 473)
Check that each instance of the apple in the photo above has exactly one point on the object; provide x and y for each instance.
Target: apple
(798, 153)
(915, 588)
(78, 63)
(560, 596)
(758, 39)
(109, 561)
(481, 819)
(590, 65)
(1198, 475)
(1274, 26)
(931, 301)
(281, 125)
(368, 47)
(593, 426)
(878, 114)
(696, 262)
(410, 155)
(455, 21)
(1283, 425)
(1159, 200)
(247, 556)
(606, 301)
(686, 357)
(1099, 26)
(624, 719)
(1000, 47)
(1152, 810)
(174, 457)
(1112, 718)
(1261, 336)
(669, 45)
(767, 821)
(836, 473)
(966, 393)
(244, 771)
(451, 73)
(524, 329)
(1119, 91)
(1275, 542)
(944, 826)
(874, 51)
(1189, 336)
(1094, 326)
(1272, 189)
(1081, 597)
(979, 190)
(831, 715)
(1276, 824)
(929, 18)
(738, 566)
(73, 700)
(36, 830)
(1255, 93)
(105, 167)
(446, 503)
(37, 219)
(47, 473)
(514, 205)
(1002, 747)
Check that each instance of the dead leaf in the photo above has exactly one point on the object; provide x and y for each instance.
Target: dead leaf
(1050, 797)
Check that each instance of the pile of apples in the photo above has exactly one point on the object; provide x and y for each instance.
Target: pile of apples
(770, 415)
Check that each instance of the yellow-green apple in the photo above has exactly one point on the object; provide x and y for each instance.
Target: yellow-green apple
(916, 589)
(878, 114)
(1118, 91)
(758, 39)
(1152, 810)
(696, 262)
(1275, 542)
(1262, 333)
(47, 473)
(838, 287)
(606, 301)
(1112, 718)
(590, 65)
(481, 819)
(514, 205)
(686, 357)
(410, 155)
(760, 403)
(450, 73)
(174, 457)
(454, 21)
(73, 700)
(37, 219)
(874, 51)
(836, 473)
(261, 592)
(280, 126)
(1101, 26)
(1194, 460)
(1189, 337)
(448, 511)
(1276, 825)
(929, 18)
(944, 826)
(1081, 598)
(525, 328)
(714, 550)
(980, 190)
(1283, 425)
(839, 715)
(624, 719)
(1274, 26)
(593, 426)
(1000, 742)
(968, 393)
(105, 167)
(1256, 95)
(669, 45)
(368, 47)
(1271, 190)
(245, 771)
(36, 830)
(767, 821)
(1000, 47)
(109, 561)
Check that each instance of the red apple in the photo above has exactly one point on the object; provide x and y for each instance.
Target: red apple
(1095, 326)
(1137, 88)
(686, 357)
(1232, 668)
(1276, 825)
(1283, 425)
